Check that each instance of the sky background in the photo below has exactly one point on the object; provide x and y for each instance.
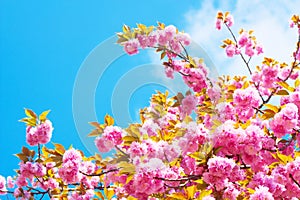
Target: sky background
(46, 47)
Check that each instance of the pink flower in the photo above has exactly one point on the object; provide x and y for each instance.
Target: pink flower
(21, 181)
(72, 155)
(143, 41)
(246, 98)
(149, 127)
(111, 137)
(259, 49)
(169, 72)
(45, 132)
(196, 135)
(285, 120)
(189, 104)
(114, 134)
(103, 144)
(131, 46)
(69, 172)
(249, 51)
(261, 193)
(243, 40)
(184, 38)
(221, 171)
(40, 134)
(137, 149)
(231, 193)
(2, 185)
(229, 20)
(152, 39)
(10, 182)
(31, 136)
(218, 24)
(230, 50)
(293, 168)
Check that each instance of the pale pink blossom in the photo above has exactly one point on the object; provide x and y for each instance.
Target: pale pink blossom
(218, 24)
(10, 182)
(2, 185)
(188, 105)
(131, 46)
(103, 144)
(261, 193)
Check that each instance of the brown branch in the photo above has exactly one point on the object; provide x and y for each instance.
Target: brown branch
(295, 60)
(100, 174)
(291, 176)
(243, 58)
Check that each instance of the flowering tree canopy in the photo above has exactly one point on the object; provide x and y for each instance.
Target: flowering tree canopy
(222, 139)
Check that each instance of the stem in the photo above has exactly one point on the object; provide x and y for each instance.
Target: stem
(185, 51)
(39, 151)
(122, 151)
(7, 191)
(291, 176)
(234, 38)
(100, 174)
(295, 60)
(187, 178)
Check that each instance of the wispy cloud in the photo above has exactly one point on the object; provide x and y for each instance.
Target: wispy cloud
(269, 20)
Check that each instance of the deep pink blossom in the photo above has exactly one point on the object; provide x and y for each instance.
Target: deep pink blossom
(40, 134)
(284, 121)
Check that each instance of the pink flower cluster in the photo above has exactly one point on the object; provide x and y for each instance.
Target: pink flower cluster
(195, 135)
(168, 37)
(40, 134)
(188, 105)
(111, 137)
(150, 178)
(28, 173)
(237, 140)
(221, 171)
(261, 193)
(245, 100)
(69, 170)
(194, 77)
(279, 182)
(245, 42)
(227, 19)
(267, 75)
(284, 121)
(293, 97)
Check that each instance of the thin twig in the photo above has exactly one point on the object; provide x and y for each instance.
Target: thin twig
(100, 174)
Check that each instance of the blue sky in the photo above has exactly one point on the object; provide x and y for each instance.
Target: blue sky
(44, 46)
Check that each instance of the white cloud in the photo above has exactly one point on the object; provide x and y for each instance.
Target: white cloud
(269, 20)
